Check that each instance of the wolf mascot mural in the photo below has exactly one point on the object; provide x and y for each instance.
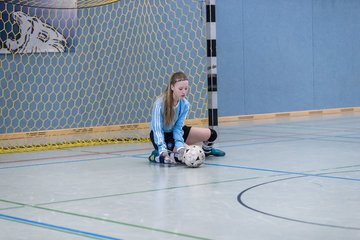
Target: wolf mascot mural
(35, 36)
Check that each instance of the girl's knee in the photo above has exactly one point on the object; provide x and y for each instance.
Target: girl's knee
(213, 135)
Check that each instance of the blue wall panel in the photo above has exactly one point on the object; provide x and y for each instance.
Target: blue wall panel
(278, 60)
(287, 55)
(230, 68)
(337, 53)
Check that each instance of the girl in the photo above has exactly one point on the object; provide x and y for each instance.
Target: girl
(168, 133)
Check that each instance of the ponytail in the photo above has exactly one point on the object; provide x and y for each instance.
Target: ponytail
(169, 99)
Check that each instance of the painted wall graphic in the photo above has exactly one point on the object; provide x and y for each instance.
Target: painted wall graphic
(25, 29)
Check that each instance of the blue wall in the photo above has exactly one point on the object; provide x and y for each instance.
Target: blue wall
(273, 56)
(287, 55)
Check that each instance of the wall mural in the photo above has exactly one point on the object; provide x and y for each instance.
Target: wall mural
(26, 29)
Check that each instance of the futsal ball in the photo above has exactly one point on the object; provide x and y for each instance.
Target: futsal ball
(194, 156)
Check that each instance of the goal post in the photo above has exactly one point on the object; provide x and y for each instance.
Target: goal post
(211, 62)
(122, 55)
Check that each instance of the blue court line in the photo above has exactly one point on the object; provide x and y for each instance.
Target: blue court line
(61, 162)
(284, 172)
(59, 228)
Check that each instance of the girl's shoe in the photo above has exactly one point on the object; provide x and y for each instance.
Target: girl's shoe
(215, 152)
(153, 155)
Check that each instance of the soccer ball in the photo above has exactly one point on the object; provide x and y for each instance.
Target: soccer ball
(194, 156)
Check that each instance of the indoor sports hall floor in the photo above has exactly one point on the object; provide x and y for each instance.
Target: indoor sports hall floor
(283, 178)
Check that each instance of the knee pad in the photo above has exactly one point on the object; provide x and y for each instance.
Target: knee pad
(213, 135)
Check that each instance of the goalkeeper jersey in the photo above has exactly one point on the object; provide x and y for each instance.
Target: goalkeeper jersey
(158, 127)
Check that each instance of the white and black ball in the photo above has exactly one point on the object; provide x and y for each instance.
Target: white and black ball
(194, 156)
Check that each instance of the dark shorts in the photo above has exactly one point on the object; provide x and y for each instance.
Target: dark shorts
(169, 139)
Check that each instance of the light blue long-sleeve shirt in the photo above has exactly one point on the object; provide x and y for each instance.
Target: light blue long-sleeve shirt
(158, 127)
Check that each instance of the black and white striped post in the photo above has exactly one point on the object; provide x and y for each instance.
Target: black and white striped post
(211, 63)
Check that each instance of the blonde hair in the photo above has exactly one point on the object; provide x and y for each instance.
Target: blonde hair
(169, 99)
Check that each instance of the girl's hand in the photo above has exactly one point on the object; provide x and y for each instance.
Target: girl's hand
(181, 152)
(165, 156)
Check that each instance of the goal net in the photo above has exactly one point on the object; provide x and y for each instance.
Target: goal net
(99, 86)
